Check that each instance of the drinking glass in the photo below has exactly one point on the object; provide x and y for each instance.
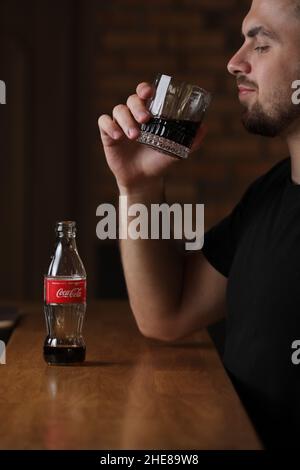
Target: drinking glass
(177, 110)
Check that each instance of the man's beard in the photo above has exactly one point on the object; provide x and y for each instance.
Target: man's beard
(257, 121)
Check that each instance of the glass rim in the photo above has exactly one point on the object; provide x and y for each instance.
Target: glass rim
(182, 83)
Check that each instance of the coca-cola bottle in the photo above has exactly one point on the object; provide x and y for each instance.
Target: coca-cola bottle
(65, 300)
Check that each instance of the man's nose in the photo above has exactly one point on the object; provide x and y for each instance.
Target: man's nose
(239, 64)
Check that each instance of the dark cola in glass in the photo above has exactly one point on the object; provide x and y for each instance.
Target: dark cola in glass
(177, 110)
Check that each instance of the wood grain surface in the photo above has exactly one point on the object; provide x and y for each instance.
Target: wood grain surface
(131, 393)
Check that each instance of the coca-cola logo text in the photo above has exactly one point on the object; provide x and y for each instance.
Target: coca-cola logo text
(65, 291)
(70, 294)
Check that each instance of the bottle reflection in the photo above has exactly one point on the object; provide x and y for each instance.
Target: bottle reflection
(63, 418)
(157, 400)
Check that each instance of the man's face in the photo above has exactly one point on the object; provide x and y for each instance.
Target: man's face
(266, 66)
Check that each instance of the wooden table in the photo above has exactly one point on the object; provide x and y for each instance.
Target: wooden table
(131, 393)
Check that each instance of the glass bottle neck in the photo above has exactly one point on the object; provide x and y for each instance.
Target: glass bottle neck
(66, 240)
(65, 229)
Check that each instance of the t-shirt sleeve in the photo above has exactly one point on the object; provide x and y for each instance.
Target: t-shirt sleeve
(221, 241)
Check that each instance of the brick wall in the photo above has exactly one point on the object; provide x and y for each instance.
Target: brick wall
(192, 40)
(64, 66)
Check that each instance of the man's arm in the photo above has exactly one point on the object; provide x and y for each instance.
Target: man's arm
(171, 294)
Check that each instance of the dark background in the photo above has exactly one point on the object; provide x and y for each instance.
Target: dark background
(67, 62)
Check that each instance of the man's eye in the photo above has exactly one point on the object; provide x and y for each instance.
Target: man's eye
(262, 49)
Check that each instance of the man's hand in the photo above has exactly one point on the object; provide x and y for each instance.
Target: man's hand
(135, 166)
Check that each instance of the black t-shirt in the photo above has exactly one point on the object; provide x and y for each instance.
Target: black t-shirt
(257, 247)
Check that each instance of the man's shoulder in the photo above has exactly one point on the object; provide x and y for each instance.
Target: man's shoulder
(266, 184)
(281, 168)
(273, 178)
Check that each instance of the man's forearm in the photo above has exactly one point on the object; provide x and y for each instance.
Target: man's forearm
(154, 273)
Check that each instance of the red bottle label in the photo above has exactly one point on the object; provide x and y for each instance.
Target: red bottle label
(65, 292)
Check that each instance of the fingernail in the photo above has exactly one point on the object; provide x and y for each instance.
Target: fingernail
(144, 115)
(132, 132)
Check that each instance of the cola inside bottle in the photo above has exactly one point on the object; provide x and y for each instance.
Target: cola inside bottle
(65, 300)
